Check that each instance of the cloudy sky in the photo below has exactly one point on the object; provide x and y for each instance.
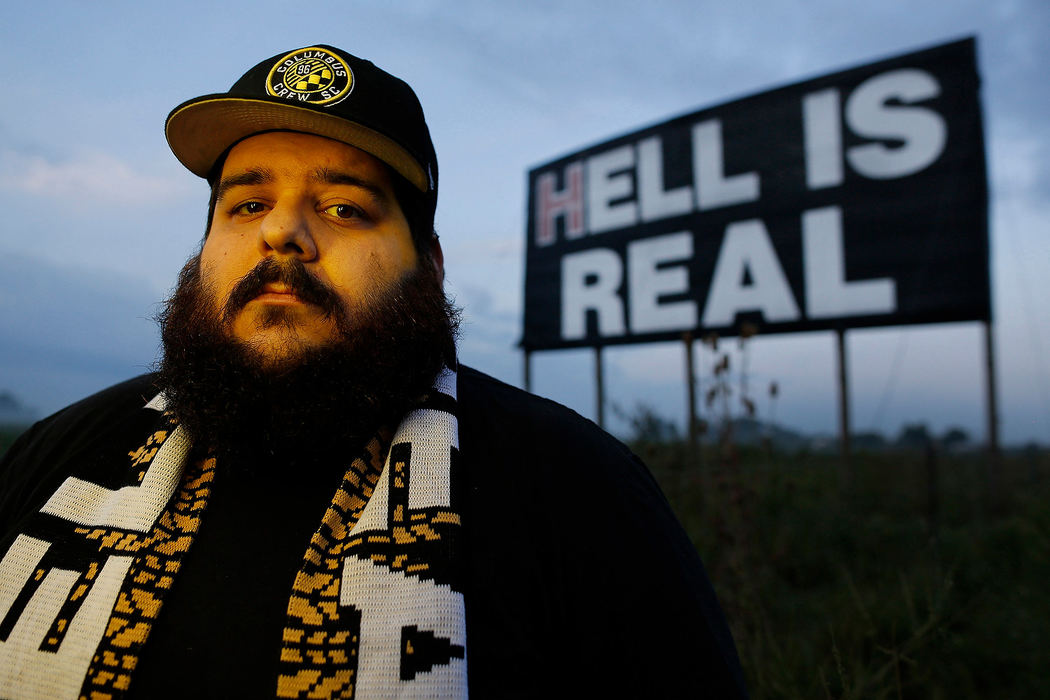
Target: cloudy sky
(98, 216)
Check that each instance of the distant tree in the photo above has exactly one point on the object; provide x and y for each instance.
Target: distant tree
(955, 437)
(914, 436)
(871, 441)
(648, 426)
(8, 401)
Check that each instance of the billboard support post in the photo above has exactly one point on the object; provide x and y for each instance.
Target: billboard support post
(526, 370)
(690, 376)
(993, 405)
(599, 386)
(992, 476)
(844, 422)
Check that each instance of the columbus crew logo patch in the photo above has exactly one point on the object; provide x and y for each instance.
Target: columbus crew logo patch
(312, 75)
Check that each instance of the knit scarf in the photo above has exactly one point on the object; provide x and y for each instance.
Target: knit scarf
(376, 609)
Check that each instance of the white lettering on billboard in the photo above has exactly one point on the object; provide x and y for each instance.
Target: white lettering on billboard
(828, 294)
(654, 201)
(875, 111)
(648, 281)
(746, 253)
(608, 182)
(822, 134)
(590, 280)
(713, 187)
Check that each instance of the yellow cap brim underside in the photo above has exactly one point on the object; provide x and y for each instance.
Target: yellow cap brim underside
(200, 132)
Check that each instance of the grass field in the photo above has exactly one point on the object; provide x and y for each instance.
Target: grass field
(915, 575)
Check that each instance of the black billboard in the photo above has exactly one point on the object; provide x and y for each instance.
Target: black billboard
(854, 199)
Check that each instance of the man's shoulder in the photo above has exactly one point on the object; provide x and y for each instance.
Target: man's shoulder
(96, 410)
(525, 428)
(71, 438)
(566, 520)
(474, 381)
(485, 396)
(534, 453)
(129, 394)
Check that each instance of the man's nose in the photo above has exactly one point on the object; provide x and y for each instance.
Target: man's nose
(285, 230)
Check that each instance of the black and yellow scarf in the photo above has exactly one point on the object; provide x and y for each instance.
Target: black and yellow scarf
(376, 609)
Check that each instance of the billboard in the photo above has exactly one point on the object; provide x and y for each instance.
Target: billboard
(854, 199)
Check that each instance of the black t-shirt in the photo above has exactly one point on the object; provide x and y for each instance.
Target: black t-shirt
(218, 634)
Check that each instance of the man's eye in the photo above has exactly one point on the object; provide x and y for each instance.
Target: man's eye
(249, 208)
(343, 211)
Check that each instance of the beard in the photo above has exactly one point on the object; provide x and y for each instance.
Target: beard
(305, 401)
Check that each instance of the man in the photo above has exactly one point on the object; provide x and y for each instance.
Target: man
(310, 498)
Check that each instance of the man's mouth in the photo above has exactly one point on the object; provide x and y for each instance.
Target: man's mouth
(278, 293)
(276, 284)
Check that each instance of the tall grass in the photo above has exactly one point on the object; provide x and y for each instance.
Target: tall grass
(904, 581)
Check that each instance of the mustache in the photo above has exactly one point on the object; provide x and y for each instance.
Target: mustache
(291, 273)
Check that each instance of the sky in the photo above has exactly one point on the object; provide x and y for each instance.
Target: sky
(99, 216)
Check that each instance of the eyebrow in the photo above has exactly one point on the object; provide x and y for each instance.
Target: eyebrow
(253, 176)
(260, 176)
(328, 176)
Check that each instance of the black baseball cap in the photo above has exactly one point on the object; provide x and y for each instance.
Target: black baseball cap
(318, 90)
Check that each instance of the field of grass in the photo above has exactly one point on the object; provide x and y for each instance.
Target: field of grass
(915, 575)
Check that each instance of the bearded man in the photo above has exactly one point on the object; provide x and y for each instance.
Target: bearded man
(310, 497)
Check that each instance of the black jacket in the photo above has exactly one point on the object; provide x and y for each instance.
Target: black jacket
(579, 580)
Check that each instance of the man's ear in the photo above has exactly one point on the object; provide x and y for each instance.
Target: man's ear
(437, 256)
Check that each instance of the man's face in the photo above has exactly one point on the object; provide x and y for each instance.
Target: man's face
(289, 196)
